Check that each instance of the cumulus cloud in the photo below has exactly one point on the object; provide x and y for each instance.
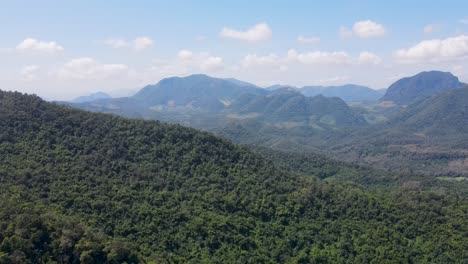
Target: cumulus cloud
(31, 44)
(309, 40)
(139, 43)
(211, 63)
(90, 69)
(142, 43)
(368, 29)
(435, 50)
(319, 57)
(29, 72)
(257, 33)
(363, 29)
(197, 61)
(185, 54)
(368, 58)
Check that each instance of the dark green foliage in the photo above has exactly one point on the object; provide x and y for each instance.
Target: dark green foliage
(286, 105)
(100, 188)
(428, 137)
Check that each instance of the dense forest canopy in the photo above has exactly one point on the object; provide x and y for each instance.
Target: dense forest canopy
(81, 187)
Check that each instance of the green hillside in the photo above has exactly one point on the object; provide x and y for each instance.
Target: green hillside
(428, 137)
(81, 187)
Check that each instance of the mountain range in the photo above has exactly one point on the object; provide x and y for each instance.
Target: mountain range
(91, 97)
(284, 118)
(347, 92)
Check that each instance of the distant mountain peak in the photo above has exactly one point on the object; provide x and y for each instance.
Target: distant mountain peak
(91, 97)
(422, 85)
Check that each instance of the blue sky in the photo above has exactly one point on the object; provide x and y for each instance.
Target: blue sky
(60, 49)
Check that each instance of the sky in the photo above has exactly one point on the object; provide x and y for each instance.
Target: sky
(63, 49)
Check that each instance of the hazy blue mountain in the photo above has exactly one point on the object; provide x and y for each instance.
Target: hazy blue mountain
(422, 85)
(347, 92)
(288, 105)
(278, 86)
(193, 92)
(91, 97)
(240, 83)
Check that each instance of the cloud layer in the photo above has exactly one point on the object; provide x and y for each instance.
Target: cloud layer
(32, 44)
(257, 33)
(363, 29)
(90, 69)
(435, 50)
(139, 43)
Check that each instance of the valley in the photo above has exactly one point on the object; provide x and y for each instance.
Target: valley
(427, 137)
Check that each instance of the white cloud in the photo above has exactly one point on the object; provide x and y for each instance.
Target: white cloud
(464, 20)
(363, 29)
(333, 80)
(368, 58)
(257, 33)
(254, 60)
(31, 44)
(90, 69)
(310, 40)
(29, 73)
(211, 63)
(368, 29)
(189, 61)
(435, 50)
(185, 54)
(139, 43)
(142, 43)
(319, 57)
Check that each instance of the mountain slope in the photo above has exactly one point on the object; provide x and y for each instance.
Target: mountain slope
(445, 115)
(91, 97)
(347, 92)
(422, 85)
(195, 91)
(429, 137)
(287, 105)
(164, 193)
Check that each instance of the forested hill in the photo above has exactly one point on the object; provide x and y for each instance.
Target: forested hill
(81, 187)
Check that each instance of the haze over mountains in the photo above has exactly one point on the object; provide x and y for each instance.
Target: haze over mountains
(91, 97)
(347, 92)
(285, 118)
